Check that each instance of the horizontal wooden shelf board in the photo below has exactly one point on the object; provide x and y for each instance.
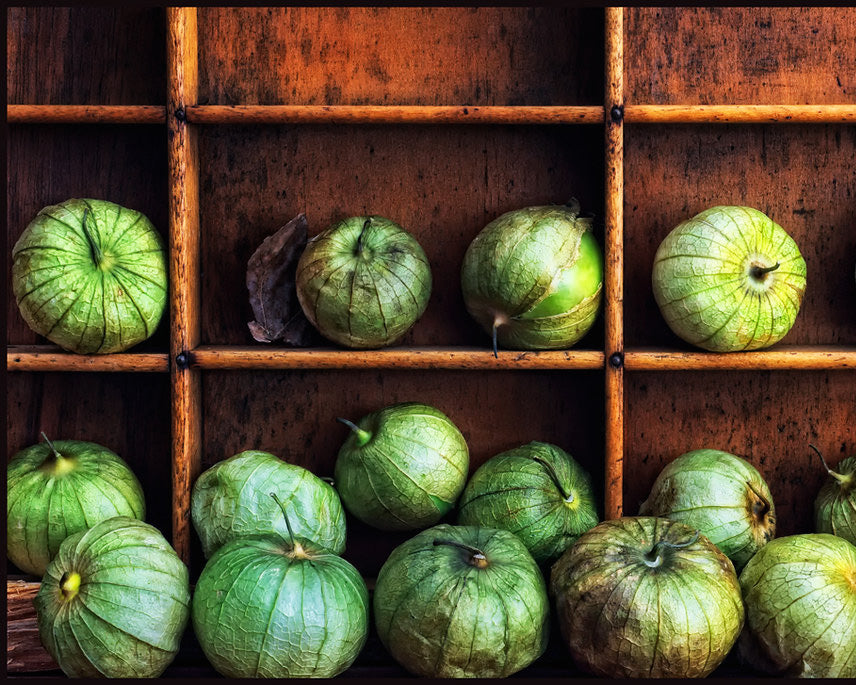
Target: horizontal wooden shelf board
(401, 358)
(393, 114)
(86, 114)
(785, 357)
(50, 358)
(739, 114)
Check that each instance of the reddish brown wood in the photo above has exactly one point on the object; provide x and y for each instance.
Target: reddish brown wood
(739, 114)
(613, 280)
(184, 267)
(779, 357)
(803, 178)
(212, 357)
(85, 114)
(741, 55)
(52, 358)
(400, 55)
(766, 417)
(24, 651)
(391, 114)
(85, 55)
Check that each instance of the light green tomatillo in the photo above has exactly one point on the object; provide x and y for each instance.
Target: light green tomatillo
(533, 277)
(729, 279)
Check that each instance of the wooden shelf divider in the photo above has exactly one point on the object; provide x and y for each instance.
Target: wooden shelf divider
(186, 406)
(739, 114)
(393, 114)
(86, 114)
(210, 357)
(614, 263)
(784, 357)
(52, 358)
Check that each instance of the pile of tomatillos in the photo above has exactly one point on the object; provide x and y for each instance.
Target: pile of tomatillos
(494, 554)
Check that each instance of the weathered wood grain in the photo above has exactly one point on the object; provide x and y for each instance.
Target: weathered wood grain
(803, 178)
(183, 162)
(768, 418)
(400, 55)
(85, 114)
(741, 55)
(239, 357)
(53, 358)
(779, 357)
(739, 114)
(393, 114)
(613, 276)
(24, 651)
(85, 55)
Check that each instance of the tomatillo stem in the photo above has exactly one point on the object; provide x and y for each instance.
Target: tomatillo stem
(285, 516)
(654, 557)
(366, 224)
(477, 557)
(362, 436)
(567, 496)
(97, 254)
(840, 477)
(758, 271)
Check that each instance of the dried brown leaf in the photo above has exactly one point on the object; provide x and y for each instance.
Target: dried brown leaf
(272, 286)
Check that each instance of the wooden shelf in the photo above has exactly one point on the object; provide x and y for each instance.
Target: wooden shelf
(210, 357)
(52, 358)
(739, 114)
(86, 114)
(783, 357)
(392, 114)
(445, 114)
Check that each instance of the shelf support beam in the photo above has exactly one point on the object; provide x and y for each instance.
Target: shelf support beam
(613, 271)
(185, 382)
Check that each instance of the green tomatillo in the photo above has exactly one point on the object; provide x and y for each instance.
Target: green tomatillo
(402, 467)
(363, 282)
(533, 277)
(536, 491)
(90, 276)
(728, 279)
(55, 489)
(462, 602)
(835, 504)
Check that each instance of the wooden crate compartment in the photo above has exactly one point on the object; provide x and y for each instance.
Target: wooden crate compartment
(85, 55)
(293, 415)
(768, 418)
(236, 119)
(53, 163)
(740, 56)
(443, 185)
(400, 55)
(126, 412)
(802, 179)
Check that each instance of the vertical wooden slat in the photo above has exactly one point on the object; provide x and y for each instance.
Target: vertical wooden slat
(613, 274)
(184, 267)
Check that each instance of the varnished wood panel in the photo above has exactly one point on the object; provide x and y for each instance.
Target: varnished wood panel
(441, 184)
(48, 164)
(737, 55)
(293, 415)
(85, 55)
(803, 178)
(128, 413)
(400, 55)
(767, 418)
